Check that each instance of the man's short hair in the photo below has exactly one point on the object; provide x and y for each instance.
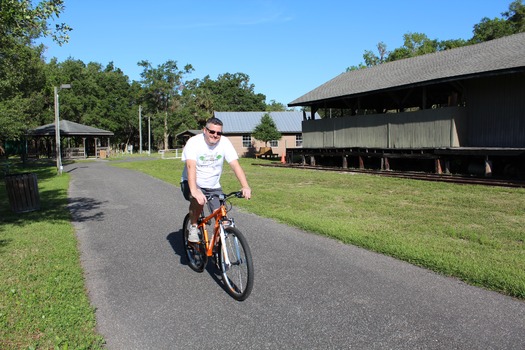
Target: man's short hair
(214, 121)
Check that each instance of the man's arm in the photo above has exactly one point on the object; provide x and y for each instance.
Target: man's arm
(237, 169)
(196, 193)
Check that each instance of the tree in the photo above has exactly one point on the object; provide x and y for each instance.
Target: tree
(162, 86)
(22, 87)
(512, 23)
(266, 130)
(19, 19)
(416, 44)
(371, 59)
(516, 16)
(234, 92)
(490, 29)
(22, 69)
(274, 106)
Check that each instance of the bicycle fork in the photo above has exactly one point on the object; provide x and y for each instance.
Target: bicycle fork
(222, 237)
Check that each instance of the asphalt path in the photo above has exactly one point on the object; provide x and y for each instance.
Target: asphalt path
(310, 292)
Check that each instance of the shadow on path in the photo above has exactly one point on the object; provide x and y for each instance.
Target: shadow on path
(175, 241)
(84, 209)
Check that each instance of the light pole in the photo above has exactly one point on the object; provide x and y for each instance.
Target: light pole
(140, 128)
(57, 127)
(149, 135)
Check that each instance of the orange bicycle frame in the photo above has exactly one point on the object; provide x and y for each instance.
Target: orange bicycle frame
(218, 214)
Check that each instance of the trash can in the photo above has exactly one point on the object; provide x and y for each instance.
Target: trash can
(22, 191)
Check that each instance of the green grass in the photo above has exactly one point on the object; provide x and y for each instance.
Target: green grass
(475, 233)
(43, 301)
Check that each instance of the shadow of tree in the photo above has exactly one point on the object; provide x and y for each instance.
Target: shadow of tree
(83, 209)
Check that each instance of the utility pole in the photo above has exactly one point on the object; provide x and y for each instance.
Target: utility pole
(140, 129)
(149, 135)
(57, 126)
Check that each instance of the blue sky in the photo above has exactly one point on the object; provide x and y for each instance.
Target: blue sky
(287, 47)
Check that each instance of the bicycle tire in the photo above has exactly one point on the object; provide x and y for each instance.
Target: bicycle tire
(237, 277)
(195, 252)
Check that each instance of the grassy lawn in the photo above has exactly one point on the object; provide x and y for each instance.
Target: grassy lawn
(475, 233)
(43, 301)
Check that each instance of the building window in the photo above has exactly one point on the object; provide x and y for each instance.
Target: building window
(299, 140)
(274, 143)
(246, 141)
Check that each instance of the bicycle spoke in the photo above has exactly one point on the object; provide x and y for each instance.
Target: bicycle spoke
(238, 274)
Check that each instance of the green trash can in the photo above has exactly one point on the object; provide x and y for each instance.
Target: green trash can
(22, 191)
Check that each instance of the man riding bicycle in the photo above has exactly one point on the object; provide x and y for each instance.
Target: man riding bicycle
(204, 156)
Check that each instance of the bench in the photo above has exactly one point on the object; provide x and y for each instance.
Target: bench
(264, 152)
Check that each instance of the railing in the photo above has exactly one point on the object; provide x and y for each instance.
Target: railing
(74, 152)
(175, 153)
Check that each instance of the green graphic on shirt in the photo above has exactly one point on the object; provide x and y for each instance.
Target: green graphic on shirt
(218, 157)
(202, 158)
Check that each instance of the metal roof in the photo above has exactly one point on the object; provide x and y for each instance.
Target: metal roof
(245, 122)
(495, 56)
(68, 128)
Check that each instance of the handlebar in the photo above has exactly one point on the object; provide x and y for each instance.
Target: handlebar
(237, 194)
(224, 196)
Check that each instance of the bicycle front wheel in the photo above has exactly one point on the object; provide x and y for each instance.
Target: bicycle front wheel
(195, 252)
(236, 264)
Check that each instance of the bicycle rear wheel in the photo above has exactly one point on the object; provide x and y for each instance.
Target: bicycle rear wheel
(195, 252)
(237, 268)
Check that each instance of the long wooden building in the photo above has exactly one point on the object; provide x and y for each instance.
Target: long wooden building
(460, 111)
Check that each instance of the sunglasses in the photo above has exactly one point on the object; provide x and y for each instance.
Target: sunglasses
(213, 132)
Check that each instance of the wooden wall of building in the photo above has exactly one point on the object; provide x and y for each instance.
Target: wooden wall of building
(432, 128)
(496, 111)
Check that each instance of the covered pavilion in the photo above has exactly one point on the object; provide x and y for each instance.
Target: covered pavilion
(81, 141)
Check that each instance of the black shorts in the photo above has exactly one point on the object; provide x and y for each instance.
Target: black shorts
(212, 205)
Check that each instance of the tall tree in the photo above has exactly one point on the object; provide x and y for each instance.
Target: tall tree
(416, 44)
(234, 92)
(513, 22)
(274, 106)
(266, 130)
(22, 88)
(22, 68)
(28, 20)
(162, 86)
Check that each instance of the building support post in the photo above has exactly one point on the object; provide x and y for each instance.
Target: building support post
(488, 167)
(385, 165)
(438, 166)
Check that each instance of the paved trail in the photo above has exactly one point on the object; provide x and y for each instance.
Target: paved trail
(310, 292)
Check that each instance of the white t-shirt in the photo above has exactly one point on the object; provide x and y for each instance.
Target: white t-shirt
(209, 159)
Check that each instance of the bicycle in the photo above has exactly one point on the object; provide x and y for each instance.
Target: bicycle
(227, 245)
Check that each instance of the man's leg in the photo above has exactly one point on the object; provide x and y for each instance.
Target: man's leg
(195, 210)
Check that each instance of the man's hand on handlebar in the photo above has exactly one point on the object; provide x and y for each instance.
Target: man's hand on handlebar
(246, 192)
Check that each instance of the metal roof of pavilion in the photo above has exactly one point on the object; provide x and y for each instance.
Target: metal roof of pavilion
(245, 122)
(497, 56)
(68, 128)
